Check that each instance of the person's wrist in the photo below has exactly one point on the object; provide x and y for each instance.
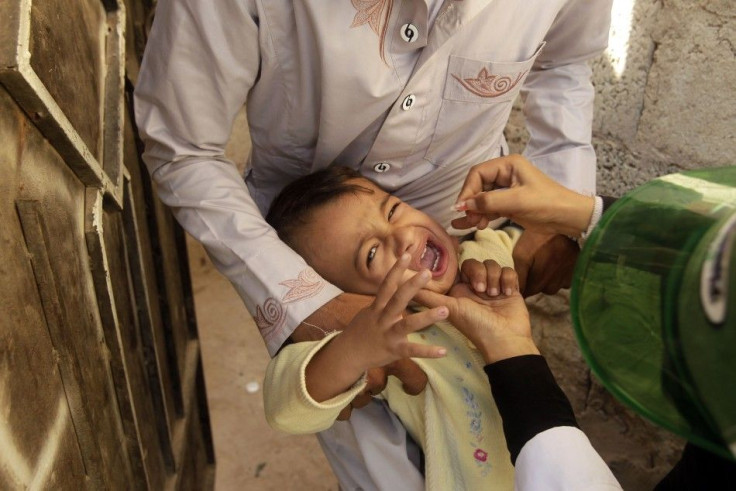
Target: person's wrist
(331, 370)
(509, 348)
(593, 220)
(576, 212)
(352, 359)
(306, 331)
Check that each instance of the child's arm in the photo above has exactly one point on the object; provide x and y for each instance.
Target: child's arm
(375, 337)
(308, 383)
(287, 403)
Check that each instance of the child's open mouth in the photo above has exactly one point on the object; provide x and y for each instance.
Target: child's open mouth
(432, 258)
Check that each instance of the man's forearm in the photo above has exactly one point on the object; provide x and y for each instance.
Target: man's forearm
(212, 203)
(335, 315)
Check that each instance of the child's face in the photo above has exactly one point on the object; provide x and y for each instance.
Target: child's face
(354, 241)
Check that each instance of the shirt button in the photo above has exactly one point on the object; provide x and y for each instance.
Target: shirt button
(408, 102)
(409, 33)
(381, 167)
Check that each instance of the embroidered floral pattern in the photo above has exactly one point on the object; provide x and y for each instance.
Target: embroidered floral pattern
(306, 285)
(270, 316)
(376, 14)
(488, 85)
(474, 413)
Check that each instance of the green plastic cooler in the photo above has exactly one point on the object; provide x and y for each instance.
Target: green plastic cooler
(654, 304)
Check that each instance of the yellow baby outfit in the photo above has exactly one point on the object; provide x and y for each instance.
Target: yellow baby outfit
(454, 419)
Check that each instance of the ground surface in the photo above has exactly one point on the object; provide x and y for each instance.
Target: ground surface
(250, 455)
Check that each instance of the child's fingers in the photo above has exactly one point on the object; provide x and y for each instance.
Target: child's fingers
(473, 272)
(431, 299)
(419, 320)
(401, 298)
(416, 350)
(391, 282)
(493, 277)
(509, 281)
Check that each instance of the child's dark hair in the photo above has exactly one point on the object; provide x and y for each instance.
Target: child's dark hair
(293, 205)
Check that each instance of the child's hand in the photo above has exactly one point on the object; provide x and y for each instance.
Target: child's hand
(376, 337)
(488, 278)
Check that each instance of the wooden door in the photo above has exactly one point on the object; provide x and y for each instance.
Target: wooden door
(101, 380)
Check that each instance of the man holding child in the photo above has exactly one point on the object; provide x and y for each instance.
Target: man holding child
(411, 93)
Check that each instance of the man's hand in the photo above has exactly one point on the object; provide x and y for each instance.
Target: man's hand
(335, 315)
(544, 262)
(498, 327)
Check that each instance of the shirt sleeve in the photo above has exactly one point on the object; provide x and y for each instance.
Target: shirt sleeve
(547, 448)
(198, 67)
(287, 403)
(562, 458)
(528, 398)
(558, 95)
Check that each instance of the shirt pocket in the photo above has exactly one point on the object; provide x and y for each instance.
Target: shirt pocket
(476, 102)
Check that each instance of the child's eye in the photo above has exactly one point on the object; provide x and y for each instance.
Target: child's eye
(371, 255)
(393, 209)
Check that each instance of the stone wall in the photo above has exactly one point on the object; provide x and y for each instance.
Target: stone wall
(665, 97)
(665, 102)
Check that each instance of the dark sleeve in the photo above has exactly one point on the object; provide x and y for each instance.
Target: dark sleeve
(699, 469)
(607, 202)
(528, 398)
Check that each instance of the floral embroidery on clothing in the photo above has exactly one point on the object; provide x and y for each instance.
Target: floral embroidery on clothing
(306, 285)
(376, 14)
(474, 413)
(488, 85)
(480, 456)
(269, 317)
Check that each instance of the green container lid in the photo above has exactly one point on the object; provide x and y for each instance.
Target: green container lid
(654, 304)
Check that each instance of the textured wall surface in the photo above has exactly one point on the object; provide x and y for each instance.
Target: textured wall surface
(665, 102)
